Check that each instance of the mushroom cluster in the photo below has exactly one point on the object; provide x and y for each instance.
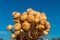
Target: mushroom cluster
(29, 25)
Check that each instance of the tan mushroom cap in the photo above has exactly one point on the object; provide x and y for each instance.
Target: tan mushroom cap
(24, 16)
(45, 32)
(36, 20)
(9, 27)
(47, 24)
(42, 22)
(15, 14)
(17, 26)
(43, 16)
(12, 36)
(37, 14)
(30, 18)
(26, 25)
(40, 26)
(17, 32)
(29, 10)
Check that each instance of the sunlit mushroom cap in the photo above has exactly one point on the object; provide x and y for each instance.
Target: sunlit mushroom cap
(15, 14)
(12, 36)
(9, 27)
(24, 16)
(17, 26)
(41, 26)
(43, 16)
(45, 32)
(29, 10)
(17, 32)
(42, 22)
(36, 20)
(47, 24)
(37, 14)
(30, 18)
(26, 25)
(31, 13)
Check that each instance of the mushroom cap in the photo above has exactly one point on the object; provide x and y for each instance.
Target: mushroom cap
(17, 32)
(29, 10)
(45, 32)
(9, 27)
(40, 26)
(43, 16)
(15, 14)
(30, 18)
(26, 25)
(24, 16)
(17, 26)
(47, 24)
(36, 20)
(12, 36)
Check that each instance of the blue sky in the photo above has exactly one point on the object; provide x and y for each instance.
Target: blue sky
(50, 7)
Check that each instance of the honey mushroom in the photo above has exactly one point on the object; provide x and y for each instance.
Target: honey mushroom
(17, 26)
(24, 16)
(47, 24)
(40, 26)
(30, 18)
(45, 32)
(12, 36)
(42, 22)
(37, 14)
(26, 26)
(43, 16)
(30, 11)
(17, 32)
(9, 27)
(16, 14)
(37, 17)
(36, 20)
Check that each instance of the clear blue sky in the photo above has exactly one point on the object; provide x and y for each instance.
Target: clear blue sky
(50, 7)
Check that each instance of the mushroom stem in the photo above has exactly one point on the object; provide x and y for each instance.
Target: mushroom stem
(29, 34)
